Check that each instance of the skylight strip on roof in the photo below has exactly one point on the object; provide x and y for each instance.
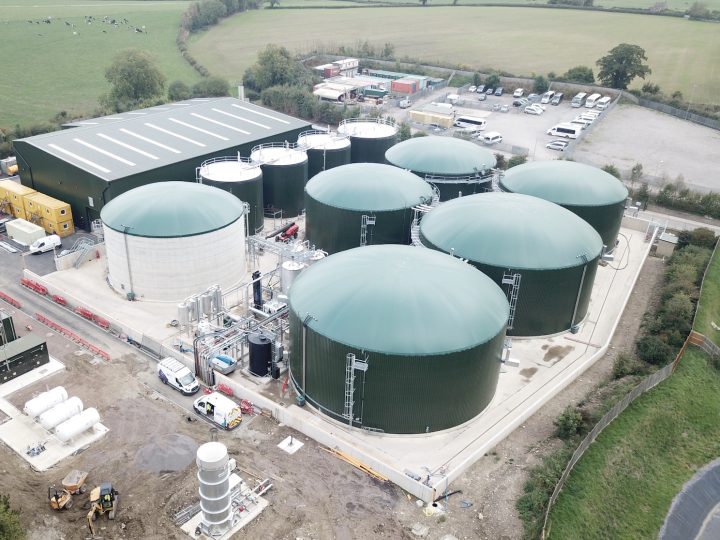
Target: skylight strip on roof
(87, 123)
(79, 158)
(104, 152)
(196, 115)
(260, 114)
(241, 118)
(173, 134)
(125, 145)
(137, 113)
(115, 118)
(160, 145)
(201, 130)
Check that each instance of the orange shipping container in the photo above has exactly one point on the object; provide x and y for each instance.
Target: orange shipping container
(61, 228)
(47, 207)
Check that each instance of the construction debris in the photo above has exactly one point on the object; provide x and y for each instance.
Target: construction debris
(356, 463)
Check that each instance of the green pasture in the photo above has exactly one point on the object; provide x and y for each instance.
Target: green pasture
(676, 5)
(708, 310)
(682, 54)
(52, 67)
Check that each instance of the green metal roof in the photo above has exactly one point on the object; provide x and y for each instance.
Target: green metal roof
(399, 300)
(565, 182)
(440, 156)
(368, 186)
(510, 230)
(172, 209)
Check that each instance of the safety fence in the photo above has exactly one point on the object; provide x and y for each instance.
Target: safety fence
(73, 336)
(10, 300)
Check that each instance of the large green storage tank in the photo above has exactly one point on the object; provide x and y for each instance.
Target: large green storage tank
(591, 193)
(432, 351)
(285, 173)
(456, 167)
(337, 200)
(325, 150)
(242, 178)
(553, 253)
(370, 138)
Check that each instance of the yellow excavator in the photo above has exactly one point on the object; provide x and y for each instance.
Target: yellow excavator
(72, 484)
(104, 499)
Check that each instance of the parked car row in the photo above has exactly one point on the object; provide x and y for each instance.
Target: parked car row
(570, 130)
(487, 90)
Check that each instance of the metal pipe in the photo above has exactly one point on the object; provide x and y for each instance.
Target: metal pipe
(580, 288)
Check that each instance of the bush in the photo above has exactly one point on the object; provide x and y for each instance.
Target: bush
(10, 526)
(540, 84)
(650, 88)
(612, 169)
(211, 87)
(654, 350)
(178, 91)
(701, 237)
(579, 74)
(626, 364)
(500, 161)
(516, 160)
(568, 423)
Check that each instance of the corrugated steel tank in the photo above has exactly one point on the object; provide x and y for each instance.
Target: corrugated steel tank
(456, 167)
(429, 327)
(285, 173)
(325, 150)
(554, 251)
(596, 196)
(242, 178)
(370, 138)
(336, 201)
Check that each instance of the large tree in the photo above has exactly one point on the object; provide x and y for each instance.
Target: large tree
(621, 65)
(275, 66)
(579, 74)
(134, 77)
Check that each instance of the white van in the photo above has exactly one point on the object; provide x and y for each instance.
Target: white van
(592, 100)
(46, 243)
(174, 373)
(468, 122)
(603, 103)
(491, 137)
(219, 409)
(578, 100)
(547, 97)
(570, 131)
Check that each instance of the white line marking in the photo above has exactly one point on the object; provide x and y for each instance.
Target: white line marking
(160, 145)
(80, 159)
(176, 135)
(104, 152)
(241, 118)
(196, 115)
(260, 114)
(125, 145)
(201, 130)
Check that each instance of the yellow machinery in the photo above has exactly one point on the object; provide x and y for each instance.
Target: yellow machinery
(103, 500)
(72, 484)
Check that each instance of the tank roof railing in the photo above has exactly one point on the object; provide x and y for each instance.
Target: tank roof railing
(247, 161)
(333, 137)
(378, 120)
(467, 179)
(286, 145)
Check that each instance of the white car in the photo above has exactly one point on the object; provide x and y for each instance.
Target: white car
(557, 145)
(534, 109)
(491, 137)
(472, 89)
(518, 93)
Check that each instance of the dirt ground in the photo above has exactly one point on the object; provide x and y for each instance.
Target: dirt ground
(149, 456)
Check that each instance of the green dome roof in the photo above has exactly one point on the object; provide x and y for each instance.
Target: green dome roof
(172, 209)
(440, 156)
(565, 182)
(510, 230)
(399, 300)
(368, 186)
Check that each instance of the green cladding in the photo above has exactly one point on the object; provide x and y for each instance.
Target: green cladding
(591, 193)
(555, 252)
(430, 327)
(336, 201)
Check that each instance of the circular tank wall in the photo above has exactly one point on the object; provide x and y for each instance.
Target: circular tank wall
(325, 150)
(596, 196)
(369, 138)
(456, 167)
(336, 201)
(432, 351)
(240, 177)
(285, 172)
(169, 240)
(554, 252)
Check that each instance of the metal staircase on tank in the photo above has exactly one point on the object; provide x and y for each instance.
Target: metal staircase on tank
(352, 364)
(82, 247)
(497, 176)
(513, 280)
(418, 212)
(366, 221)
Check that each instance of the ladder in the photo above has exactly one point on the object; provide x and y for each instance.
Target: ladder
(352, 364)
(513, 280)
(365, 222)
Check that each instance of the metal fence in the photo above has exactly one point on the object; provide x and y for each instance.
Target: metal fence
(684, 114)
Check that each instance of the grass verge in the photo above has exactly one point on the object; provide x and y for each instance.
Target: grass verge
(708, 311)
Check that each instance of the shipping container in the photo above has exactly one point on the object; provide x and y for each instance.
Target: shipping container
(61, 228)
(23, 231)
(47, 207)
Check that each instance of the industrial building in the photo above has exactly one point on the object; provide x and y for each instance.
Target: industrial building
(456, 167)
(89, 165)
(591, 193)
(362, 204)
(391, 359)
(370, 138)
(169, 240)
(544, 256)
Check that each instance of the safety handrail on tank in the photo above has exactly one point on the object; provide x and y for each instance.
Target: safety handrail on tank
(478, 178)
(378, 120)
(333, 136)
(246, 160)
(285, 145)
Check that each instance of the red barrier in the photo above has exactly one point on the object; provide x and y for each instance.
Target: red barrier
(10, 300)
(225, 389)
(73, 336)
(102, 323)
(34, 285)
(59, 300)
(85, 313)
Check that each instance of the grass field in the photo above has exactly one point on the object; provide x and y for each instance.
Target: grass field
(709, 307)
(623, 486)
(678, 5)
(46, 68)
(523, 41)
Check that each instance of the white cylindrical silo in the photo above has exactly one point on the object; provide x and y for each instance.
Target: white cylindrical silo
(206, 302)
(61, 412)
(77, 424)
(38, 405)
(183, 314)
(288, 272)
(214, 476)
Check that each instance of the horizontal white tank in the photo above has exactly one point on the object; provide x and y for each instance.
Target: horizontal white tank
(60, 412)
(38, 405)
(77, 424)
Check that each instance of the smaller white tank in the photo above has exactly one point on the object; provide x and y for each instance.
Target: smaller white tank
(288, 272)
(183, 313)
(77, 424)
(61, 412)
(317, 255)
(38, 405)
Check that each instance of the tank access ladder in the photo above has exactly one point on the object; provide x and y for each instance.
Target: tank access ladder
(513, 280)
(352, 364)
(365, 222)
